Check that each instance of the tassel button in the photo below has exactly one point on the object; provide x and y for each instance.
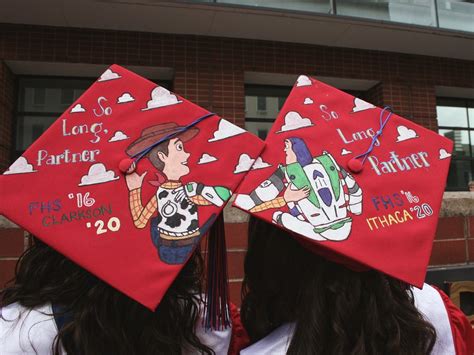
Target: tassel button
(127, 166)
(355, 165)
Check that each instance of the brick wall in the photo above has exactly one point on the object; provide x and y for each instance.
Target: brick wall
(454, 244)
(210, 72)
(454, 241)
(12, 244)
(7, 95)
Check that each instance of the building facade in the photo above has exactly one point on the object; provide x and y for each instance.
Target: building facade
(240, 59)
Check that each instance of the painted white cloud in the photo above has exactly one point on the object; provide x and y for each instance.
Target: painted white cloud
(308, 101)
(344, 151)
(443, 154)
(206, 158)
(109, 75)
(405, 133)
(226, 130)
(244, 164)
(118, 136)
(361, 105)
(77, 108)
(303, 80)
(293, 120)
(20, 166)
(98, 174)
(260, 164)
(161, 97)
(124, 98)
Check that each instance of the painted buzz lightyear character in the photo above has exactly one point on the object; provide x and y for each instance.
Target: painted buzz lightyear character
(318, 192)
(175, 230)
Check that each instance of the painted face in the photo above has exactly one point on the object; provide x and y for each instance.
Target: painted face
(290, 154)
(176, 162)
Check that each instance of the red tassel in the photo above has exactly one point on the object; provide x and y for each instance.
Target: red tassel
(217, 314)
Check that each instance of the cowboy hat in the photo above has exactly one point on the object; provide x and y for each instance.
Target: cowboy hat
(151, 135)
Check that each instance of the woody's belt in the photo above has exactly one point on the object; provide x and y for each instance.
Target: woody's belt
(177, 243)
(172, 241)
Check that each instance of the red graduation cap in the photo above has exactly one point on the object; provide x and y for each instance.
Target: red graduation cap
(353, 182)
(127, 181)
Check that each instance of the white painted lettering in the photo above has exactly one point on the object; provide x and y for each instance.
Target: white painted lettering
(66, 157)
(398, 164)
(94, 128)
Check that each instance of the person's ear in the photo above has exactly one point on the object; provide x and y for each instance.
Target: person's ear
(162, 156)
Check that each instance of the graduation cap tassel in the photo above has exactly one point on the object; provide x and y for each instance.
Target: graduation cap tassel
(356, 165)
(217, 315)
(128, 166)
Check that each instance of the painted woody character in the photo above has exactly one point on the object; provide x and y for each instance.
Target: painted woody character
(317, 191)
(175, 229)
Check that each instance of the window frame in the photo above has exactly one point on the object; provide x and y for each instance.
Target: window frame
(265, 90)
(465, 103)
(17, 113)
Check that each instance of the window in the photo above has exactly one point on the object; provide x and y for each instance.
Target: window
(456, 122)
(456, 14)
(323, 6)
(261, 103)
(451, 14)
(41, 100)
(264, 102)
(417, 12)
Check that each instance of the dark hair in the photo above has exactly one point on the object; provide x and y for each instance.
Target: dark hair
(105, 321)
(153, 155)
(299, 147)
(335, 310)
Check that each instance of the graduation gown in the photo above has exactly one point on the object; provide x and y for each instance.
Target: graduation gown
(33, 331)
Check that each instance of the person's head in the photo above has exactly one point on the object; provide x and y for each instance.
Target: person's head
(297, 151)
(103, 320)
(335, 310)
(170, 158)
